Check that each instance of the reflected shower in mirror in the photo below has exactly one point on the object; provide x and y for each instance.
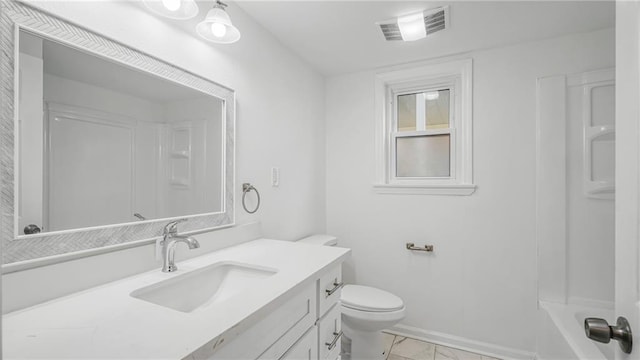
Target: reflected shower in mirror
(101, 143)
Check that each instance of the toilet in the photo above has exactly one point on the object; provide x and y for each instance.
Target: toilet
(365, 312)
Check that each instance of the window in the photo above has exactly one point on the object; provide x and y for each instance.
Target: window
(424, 130)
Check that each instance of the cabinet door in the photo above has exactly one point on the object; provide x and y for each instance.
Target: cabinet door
(306, 348)
(330, 289)
(330, 331)
(271, 335)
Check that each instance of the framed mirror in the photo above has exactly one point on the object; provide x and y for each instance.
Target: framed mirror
(102, 145)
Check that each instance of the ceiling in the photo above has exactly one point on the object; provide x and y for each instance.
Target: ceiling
(339, 37)
(72, 64)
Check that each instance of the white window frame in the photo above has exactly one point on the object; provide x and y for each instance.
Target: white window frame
(453, 75)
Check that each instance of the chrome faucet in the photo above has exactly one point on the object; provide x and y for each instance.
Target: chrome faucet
(169, 241)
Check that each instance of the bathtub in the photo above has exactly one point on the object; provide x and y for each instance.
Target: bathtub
(561, 333)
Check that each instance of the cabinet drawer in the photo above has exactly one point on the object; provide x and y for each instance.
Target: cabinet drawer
(330, 289)
(305, 349)
(295, 331)
(275, 332)
(329, 330)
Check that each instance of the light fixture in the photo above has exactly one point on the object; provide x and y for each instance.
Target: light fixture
(216, 26)
(173, 9)
(415, 26)
(412, 27)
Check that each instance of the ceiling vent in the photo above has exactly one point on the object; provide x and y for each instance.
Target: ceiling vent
(410, 27)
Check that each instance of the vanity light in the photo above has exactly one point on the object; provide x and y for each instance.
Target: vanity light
(171, 5)
(173, 9)
(216, 26)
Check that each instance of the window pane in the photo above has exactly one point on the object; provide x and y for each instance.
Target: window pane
(437, 109)
(407, 112)
(423, 156)
(423, 110)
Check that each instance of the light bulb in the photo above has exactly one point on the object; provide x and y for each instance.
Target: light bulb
(218, 30)
(171, 5)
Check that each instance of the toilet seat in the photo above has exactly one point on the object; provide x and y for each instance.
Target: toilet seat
(369, 299)
(374, 317)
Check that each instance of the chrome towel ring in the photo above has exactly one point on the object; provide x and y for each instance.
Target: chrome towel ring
(247, 187)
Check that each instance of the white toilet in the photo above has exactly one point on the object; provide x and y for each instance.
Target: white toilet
(365, 312)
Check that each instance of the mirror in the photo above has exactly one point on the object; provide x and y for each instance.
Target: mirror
(100, 143)
(105, 144)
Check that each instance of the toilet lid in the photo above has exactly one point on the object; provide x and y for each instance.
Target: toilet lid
(367, 298)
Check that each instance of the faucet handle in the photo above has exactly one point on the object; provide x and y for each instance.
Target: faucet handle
(172, 227)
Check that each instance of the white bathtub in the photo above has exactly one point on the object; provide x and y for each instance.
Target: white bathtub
(561, 333)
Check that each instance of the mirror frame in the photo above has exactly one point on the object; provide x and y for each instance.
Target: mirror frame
(41, 249)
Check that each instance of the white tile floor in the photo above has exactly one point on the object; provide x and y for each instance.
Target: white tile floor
(403, 348)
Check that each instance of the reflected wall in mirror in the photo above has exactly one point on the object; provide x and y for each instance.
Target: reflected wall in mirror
(101, 145)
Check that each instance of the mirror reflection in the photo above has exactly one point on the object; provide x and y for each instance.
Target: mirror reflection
(100, 143)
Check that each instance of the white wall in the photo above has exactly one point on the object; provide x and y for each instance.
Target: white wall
(203, 117)
(142, 118)
(70, 92)
(280, 114)
(480, 283)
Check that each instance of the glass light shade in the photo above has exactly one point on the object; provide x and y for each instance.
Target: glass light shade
(173, 9)
(172, 5)
(412, 27)
(216, 27)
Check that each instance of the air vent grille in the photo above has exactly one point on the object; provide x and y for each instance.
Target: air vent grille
(391, 31)
(435, 20)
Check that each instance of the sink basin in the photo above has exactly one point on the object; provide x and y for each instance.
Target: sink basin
(203, 287)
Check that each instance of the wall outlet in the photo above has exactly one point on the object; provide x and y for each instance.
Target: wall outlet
(275, 176)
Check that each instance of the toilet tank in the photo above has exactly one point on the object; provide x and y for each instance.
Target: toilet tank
(320, 239)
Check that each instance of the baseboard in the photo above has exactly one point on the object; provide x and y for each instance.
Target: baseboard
(461, 343)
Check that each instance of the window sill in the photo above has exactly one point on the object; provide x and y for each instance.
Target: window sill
(451, 189)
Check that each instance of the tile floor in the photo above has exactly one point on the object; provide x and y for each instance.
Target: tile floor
(403, 348)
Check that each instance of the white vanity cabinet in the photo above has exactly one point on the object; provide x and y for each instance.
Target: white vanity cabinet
(290, 310)
(305, 327)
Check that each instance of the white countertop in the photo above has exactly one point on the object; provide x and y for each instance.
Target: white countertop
(106, 323)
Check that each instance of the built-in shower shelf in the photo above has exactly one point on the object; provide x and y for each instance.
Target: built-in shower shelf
(599, 138)
(603, 191)
(180, 156)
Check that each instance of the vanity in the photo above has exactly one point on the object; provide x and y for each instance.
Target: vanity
(265, 299)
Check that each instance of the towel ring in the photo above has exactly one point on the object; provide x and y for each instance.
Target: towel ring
(246, 187)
